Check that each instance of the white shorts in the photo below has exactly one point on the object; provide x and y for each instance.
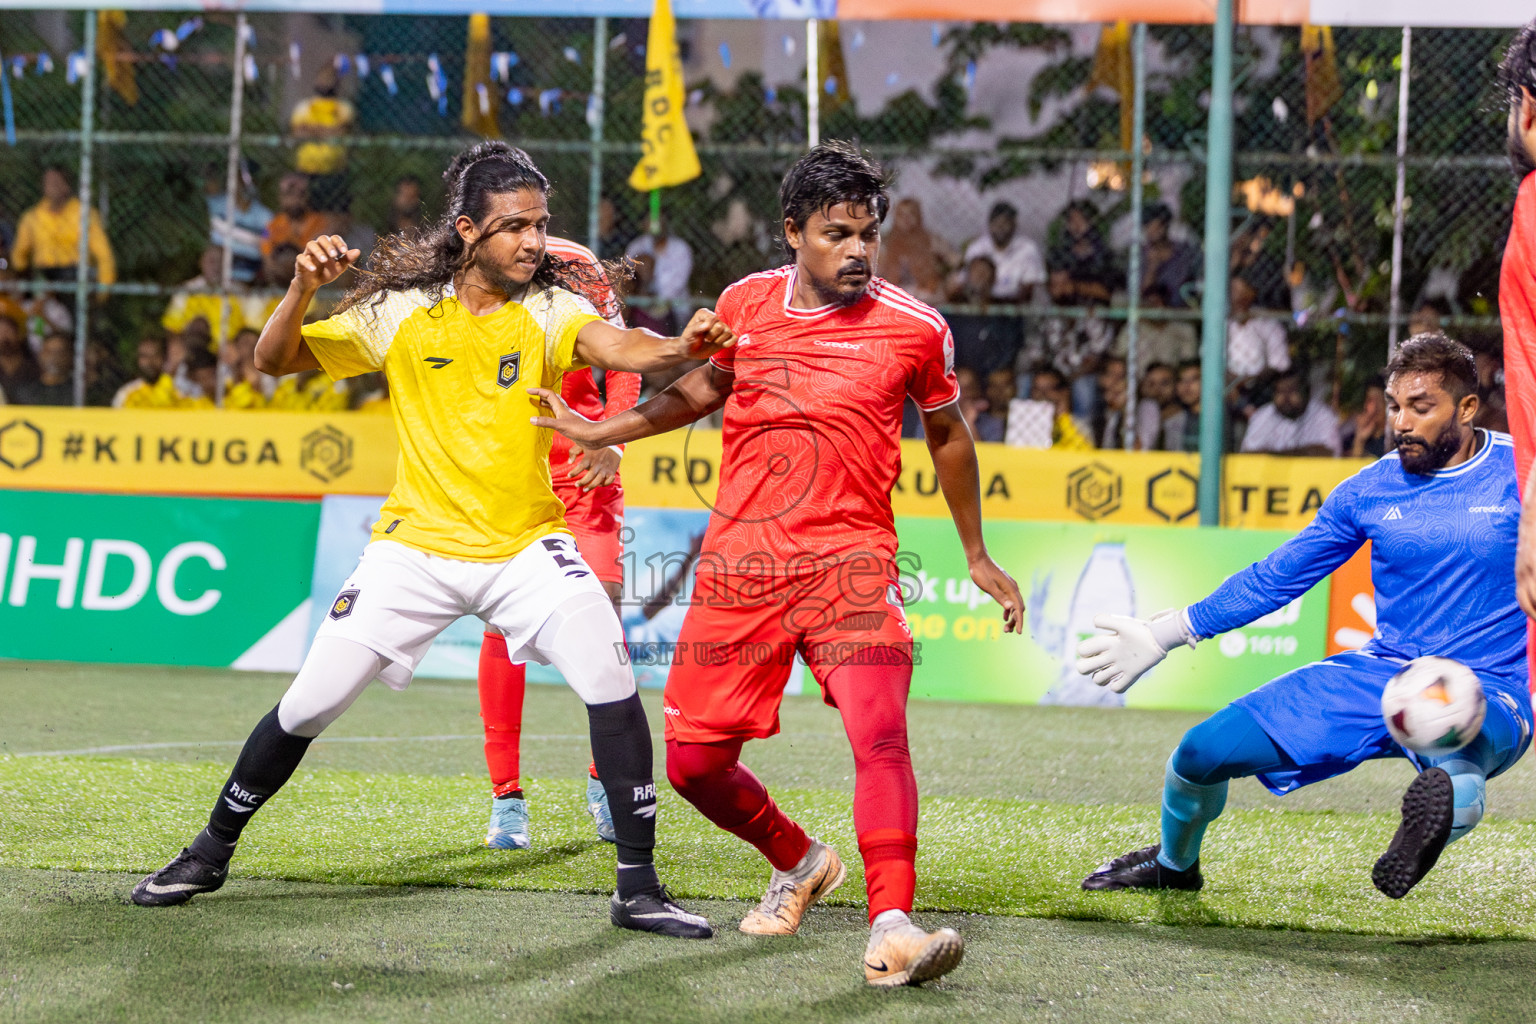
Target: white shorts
(399, 599)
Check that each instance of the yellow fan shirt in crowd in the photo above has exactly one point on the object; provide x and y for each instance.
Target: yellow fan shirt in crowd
(322, 112)
(309, 392)
(472, 481)
(162, 394)
(198, 298)
(46, 240)
(243, 395)
(1066, 437)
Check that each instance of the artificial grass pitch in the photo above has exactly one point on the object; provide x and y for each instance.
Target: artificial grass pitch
(1293, 870)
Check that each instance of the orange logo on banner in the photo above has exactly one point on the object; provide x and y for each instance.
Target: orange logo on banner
(1351, 604)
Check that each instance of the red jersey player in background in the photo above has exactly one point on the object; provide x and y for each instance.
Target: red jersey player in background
(587, 482)
(1517, 305)
(800, 551)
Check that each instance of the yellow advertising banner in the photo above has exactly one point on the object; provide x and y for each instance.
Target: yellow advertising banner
(682, 469)
(311, 454)
(185, 452)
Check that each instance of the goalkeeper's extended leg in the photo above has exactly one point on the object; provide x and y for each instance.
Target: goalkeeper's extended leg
(1445, 801)
(1230, 744)
(333, 674)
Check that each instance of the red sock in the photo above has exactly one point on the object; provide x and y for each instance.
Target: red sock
(502, 685)
(872, 698)
(890, 870)
(710, 776)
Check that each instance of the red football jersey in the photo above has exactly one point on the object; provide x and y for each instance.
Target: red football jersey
(812, 439)
(579, 388)
(1517, 310)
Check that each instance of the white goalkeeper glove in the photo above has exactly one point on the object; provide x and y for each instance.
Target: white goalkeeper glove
(1131, 647)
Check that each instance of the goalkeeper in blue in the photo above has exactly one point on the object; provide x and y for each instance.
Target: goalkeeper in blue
(1441, 514)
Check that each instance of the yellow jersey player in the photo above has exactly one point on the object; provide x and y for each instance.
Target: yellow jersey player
(463, 319)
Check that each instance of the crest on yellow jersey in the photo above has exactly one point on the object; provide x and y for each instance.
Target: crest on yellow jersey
(511, 367)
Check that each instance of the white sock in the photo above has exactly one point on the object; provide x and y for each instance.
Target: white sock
(888, 919)
(801, 871)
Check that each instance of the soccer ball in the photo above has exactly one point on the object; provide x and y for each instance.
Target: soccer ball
(1433, 706)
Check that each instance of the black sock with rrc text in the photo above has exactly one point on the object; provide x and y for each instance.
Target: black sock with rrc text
(621, 749)
(267, 760)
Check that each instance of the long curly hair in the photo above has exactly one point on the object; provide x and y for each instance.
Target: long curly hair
(429, 258)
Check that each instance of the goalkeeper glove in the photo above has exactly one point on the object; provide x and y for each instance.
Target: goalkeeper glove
(1131, 647)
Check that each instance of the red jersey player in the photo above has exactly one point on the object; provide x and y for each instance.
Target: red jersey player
(1517, 304)
(800, 551)
(588, 484)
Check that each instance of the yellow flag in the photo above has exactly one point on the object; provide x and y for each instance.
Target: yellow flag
(480, 100)
(116, 55)
(666, 149)
(1113, 68)
(1323, 88)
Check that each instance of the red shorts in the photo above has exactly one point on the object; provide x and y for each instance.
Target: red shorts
(741, 634)
(595, 518)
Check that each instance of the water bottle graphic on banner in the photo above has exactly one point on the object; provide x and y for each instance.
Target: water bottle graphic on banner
(1103, 588)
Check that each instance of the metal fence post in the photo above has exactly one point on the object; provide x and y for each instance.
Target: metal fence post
(1213, 302)
(812, 84)
(1133, 270)
(231, 191)
(83, 192)
(1396, 307)
(596, 112)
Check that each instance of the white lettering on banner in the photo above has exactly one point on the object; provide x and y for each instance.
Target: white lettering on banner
(67, 573)
(1236, 643)
(165, 579)
(96, 575)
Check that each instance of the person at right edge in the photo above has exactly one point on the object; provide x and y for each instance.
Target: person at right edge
(1517, 307)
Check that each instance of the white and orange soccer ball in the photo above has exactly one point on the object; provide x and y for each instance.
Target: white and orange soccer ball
(1433, 706)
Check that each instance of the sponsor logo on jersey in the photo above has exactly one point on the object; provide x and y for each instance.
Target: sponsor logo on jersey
(669, 710)
(438, 362)
(862, 620)
(511, 368)
(847, 345)
(1392, 513)
(343, 605)
(1488, 508)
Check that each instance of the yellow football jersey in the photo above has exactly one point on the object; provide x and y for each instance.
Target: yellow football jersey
(473, 477)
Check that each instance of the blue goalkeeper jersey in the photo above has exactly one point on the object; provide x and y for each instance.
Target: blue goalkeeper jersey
(1442, 560)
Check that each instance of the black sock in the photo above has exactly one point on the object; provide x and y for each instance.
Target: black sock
(621, 747)
(515, 794)
(268, 759)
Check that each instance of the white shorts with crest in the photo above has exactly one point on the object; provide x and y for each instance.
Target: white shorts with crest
(399, 599)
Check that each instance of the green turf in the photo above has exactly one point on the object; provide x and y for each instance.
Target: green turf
(365, 871)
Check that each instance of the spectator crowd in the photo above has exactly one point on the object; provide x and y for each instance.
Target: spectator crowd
(1043, 352)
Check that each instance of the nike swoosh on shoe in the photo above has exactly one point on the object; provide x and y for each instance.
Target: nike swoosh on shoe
(160, 890)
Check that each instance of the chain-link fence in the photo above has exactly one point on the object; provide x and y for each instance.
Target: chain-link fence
(966, 115)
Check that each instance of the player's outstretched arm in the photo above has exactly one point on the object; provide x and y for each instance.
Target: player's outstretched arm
(954, 461)
(691, 397)
(281, 349)
(637, 350)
